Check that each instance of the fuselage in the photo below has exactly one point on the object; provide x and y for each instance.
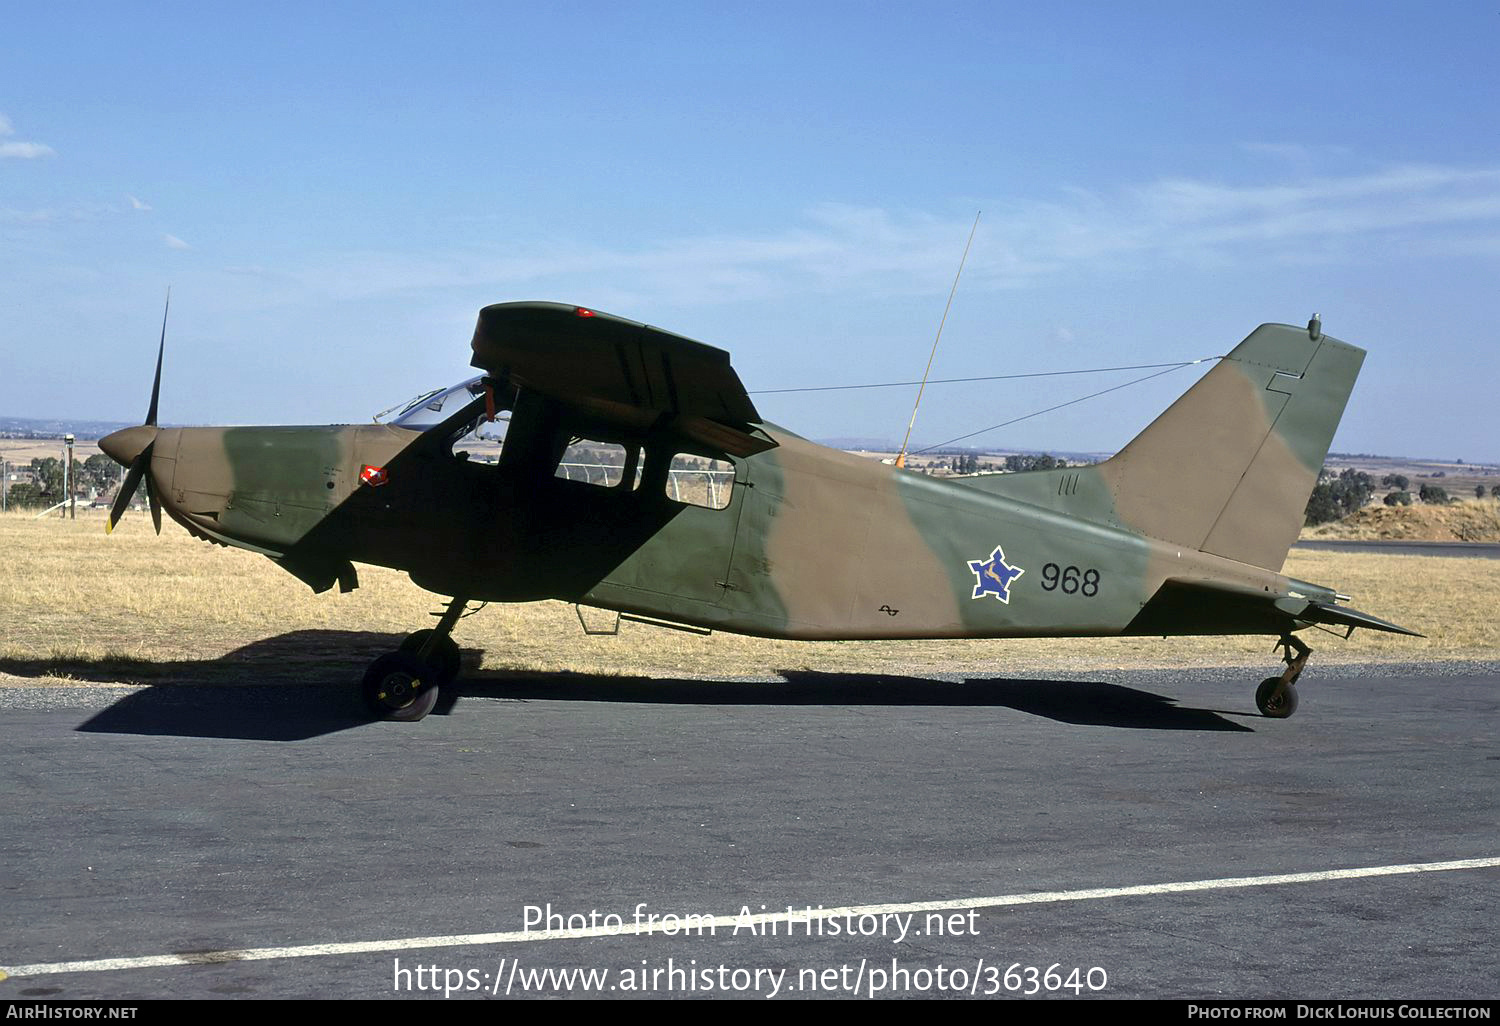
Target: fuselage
(808, 542)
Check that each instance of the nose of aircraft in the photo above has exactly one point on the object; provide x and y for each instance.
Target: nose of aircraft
(125, 445)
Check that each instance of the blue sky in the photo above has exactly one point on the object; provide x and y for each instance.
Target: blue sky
(333, 191)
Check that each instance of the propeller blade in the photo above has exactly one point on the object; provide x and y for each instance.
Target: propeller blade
(160, 349)
(127, 490)
(155, 506)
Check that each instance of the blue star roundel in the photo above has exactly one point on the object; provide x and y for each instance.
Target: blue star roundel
(994, 576)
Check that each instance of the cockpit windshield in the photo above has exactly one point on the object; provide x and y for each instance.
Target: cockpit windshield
(431, 408)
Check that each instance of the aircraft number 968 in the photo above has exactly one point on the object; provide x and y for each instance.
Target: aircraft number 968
(1071, 580)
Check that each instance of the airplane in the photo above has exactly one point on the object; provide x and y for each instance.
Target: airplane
(1183, 532)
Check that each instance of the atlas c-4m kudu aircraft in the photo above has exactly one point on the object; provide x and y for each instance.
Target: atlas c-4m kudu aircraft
(1184, 531)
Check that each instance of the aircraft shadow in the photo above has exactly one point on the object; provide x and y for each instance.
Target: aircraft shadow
(1087, 703)
(302, 684)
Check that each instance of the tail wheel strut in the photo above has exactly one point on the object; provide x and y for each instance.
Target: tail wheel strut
(1277, 696)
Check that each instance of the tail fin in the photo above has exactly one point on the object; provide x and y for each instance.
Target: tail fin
(1227, 469)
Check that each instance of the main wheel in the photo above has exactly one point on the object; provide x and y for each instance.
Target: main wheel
(399, 686)
(1275, 699)
(445, 656)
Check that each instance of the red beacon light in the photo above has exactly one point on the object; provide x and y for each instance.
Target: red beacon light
(583, 312)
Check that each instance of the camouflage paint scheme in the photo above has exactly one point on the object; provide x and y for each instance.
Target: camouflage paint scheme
(1183, 532)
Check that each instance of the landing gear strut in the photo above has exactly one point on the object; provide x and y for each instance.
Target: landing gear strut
(1277, 697)
(403, 685)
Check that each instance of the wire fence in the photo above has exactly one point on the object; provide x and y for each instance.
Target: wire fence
(709, 488)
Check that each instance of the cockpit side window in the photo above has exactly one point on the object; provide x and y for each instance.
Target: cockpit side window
(481, 440)
(432, 408)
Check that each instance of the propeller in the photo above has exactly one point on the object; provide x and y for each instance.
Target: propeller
(131, 447)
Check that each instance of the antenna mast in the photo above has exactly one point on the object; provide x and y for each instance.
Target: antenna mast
(901, 456)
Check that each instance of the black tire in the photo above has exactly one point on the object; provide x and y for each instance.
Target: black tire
(445, 657)
(1274, 699)
(399, 686)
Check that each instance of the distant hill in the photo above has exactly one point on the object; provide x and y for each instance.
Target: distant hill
(1475, 520)
(27, 427)
(889, 445)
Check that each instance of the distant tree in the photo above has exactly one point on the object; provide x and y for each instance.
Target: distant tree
(1338, 495)
(1433, 494)
(48, 471)
(98, 472)
(1396, 481)
(1352, 489)
(1045, 461)
(1479, 491)
(1398, 498)
(1321, 506)
(24, 495)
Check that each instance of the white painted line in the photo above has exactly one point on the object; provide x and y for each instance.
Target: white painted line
(727, 922)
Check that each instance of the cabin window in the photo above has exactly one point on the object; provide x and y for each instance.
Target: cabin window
(700, 481)
(605, 464)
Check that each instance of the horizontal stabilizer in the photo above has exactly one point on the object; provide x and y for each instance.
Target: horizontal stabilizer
(1184, 606)
(1342, 616)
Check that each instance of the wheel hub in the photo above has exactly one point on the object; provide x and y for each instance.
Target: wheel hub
(398, 689)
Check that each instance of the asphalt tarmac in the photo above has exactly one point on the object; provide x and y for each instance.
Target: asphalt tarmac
(1461, 550)
(958, 836)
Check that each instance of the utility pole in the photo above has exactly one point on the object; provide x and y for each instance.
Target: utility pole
(69, 485)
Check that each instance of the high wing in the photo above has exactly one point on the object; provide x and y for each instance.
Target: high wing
(619, 371)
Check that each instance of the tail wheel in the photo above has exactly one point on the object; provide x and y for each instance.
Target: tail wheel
(399, 686)
(1276, 699)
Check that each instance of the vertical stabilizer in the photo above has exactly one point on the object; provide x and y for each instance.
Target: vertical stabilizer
(1227, 469)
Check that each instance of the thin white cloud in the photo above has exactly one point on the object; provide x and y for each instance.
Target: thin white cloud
(73, 213)
(1295, 153)
(26, 150)
(136, 204)
(841, 248)
(27, 216)
(173, 242)
(20, 150)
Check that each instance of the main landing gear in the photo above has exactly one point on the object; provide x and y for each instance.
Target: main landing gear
(1277, 697)
(403, 685)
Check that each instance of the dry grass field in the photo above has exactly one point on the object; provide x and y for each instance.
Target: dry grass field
(79, 606)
